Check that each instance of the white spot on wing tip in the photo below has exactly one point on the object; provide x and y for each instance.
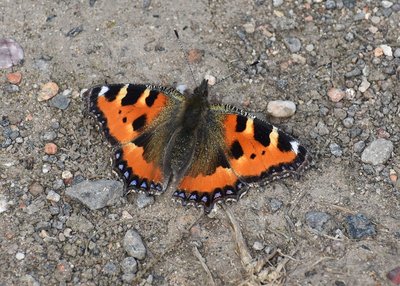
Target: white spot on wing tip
(103, 90)
(295, 146)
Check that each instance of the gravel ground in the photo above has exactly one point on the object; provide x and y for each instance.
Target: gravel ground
(337, 61)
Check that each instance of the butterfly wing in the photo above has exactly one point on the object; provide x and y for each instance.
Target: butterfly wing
(136, 118)
(236, 149)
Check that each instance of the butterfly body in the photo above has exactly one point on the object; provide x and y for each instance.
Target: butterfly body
(206, 153)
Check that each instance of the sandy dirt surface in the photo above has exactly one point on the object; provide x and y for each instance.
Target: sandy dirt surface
(337, 224)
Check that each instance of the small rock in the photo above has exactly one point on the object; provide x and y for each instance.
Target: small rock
(211, 80)
(11, 53)
(335, 150)
(48, 91)
(257, 245)
(393, 176)
(364, 85)
(79, 223)
(49, 135)
(96, 194)
(378, 152)
(386, 4)
(53, 196)
(359, 226)
(249, 27)
(275, 204)
(293, 44)
(36, 189)
(277, 3)
(46, 168)
(50, 148)
(129, 265)
(348, 122)
(387, 50)
(60, 101)
(3, 204)
(321, 129)
(182, 87)
(336, 94)
(397, 53)
(353, 73)
(133, 245)
(20, 256)
(281, 108)
(67, 176)
(317, 220)
(394, 276)
(128, 278)
(195, 56)
(11, 88)
(14, 77)
(143, 200)
(359, 146)
(110, 268)
(330, 4)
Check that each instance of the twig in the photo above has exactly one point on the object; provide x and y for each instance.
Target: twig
(204, 265)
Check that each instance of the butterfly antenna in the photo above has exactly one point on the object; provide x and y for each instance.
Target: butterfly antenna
(183, 51)
(237, 71)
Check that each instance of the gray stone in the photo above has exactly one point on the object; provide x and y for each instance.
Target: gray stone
(359, 226)
(317, 220)
(96, 194)
(321, 129)
(129, 265)
(133, 245)
(396, 53)
(60, 101)
(348, 122)
(293, 44)
(336, 150)
(378, 152)
(110, 268)
(330, 4)
(49, 135)
(281, 108)
(353, 73)
(79, 223)
(143, 200)
(359, 146)
(277, 3)
(275, 204)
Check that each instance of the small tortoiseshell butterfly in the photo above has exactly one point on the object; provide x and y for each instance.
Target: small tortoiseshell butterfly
(206, 153)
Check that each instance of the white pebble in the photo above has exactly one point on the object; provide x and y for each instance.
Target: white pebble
(46, 168)
(387, 50)
(364, 85)
(19, 256)
(281, 108)
(53, 196)
(211, 79)
(66, 175)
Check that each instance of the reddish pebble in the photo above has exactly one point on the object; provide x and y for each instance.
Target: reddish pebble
(195, 56)
(50, 148)
(48, 91)
(394, 276)
(378, 52)
(336, 94)
(14, 77)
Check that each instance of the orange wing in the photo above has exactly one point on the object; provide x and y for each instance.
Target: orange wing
(134, 117)
(257, 150)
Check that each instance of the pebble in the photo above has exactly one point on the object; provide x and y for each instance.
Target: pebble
(129, 265)
(110, 268)
(11, 53)
(321, 129)
(281, 108)
(53, 196)
(275, 204)
(19, 256)
(133, 245)
(393, 176)
(364, 85)
(353, 73)
(14, 77)
(3, 204)
(211, 80)
(36, 189)
(49, 135)
(11, 88)
(79, 223)
(60, 101)
(386, 4)
(336, 94)
(257, 245)
(293, 44)
(249, 27)
(195, 56)
(378, 152)
(349, 3)
(66, 175)
(50, 148)
(46, 168)
(330, 4)
(143, 200)
(378, 52)
(359, 226)
(96, 194)
(317, 220)
(336, 150)
(387, 50)
(47, 91)
(277, 3)
(359, 146)
(348, 122)
(397, 53)
(394, 276)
